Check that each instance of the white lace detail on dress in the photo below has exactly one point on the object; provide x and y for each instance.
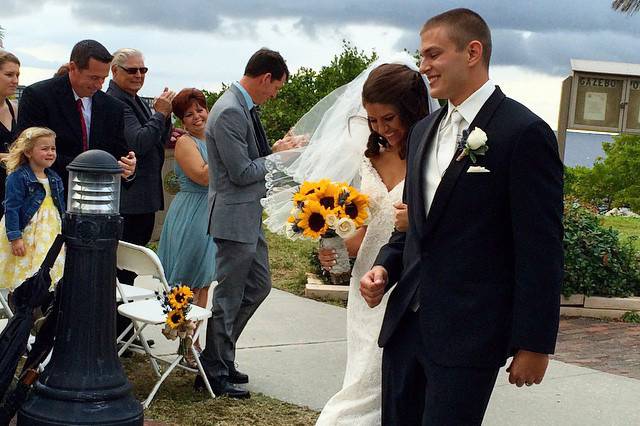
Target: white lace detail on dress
(359, 400)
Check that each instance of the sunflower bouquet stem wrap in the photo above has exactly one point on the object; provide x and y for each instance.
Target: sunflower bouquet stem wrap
(176, 305)
(340, 273)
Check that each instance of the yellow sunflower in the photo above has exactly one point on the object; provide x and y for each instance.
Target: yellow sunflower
(175, 318)
(327, 195)
(356, 208)
(180, 297)
(313, 220)
(308, 190)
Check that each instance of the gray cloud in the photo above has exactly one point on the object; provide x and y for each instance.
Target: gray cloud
(542, 35)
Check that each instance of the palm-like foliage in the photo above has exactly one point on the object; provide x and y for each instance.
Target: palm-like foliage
(626, 6)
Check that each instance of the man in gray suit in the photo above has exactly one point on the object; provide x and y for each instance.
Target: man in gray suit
(237, 145)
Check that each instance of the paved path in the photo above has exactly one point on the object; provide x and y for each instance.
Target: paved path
(608, 346)
(294, 349)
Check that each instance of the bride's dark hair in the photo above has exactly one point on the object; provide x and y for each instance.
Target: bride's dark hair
(402, 88)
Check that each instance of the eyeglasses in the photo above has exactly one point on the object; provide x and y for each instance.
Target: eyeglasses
(132, 71)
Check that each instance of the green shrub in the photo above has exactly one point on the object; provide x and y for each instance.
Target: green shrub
(613, 180)
(631, 316)
(597, 261)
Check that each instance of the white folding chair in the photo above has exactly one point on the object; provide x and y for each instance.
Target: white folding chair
(4, 302)
(129, 259)
(143, 313)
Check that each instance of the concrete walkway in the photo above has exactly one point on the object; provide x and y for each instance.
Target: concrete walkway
(294, 349)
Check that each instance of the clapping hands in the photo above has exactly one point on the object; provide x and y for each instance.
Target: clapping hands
(162, 103)
(128, 165)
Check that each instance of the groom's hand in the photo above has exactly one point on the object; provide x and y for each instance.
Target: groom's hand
(372, 285)
(527, 368)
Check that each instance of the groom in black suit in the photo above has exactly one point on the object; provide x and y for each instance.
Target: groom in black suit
(479, 270)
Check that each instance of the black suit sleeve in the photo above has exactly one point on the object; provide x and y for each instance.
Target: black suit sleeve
(142, 138)
(32, 110)
(536, 202)
(390, 257)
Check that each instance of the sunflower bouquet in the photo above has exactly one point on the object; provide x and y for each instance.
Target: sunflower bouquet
(176, 304)
(331, 212)
(327, 209)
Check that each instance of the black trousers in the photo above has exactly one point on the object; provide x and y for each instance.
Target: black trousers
(416, 391)
(136, 229)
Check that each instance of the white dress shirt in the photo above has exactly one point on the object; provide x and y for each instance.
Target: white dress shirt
(86, 112)
(443, 147)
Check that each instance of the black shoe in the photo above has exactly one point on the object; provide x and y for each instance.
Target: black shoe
(237, 377)
(221, 387)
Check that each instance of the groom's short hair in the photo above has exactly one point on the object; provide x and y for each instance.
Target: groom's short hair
(267, 61)
(464, 26)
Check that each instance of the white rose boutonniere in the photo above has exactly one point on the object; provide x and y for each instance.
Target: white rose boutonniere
(473, 144)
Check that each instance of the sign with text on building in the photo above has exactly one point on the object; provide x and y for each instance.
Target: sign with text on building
(605, 97)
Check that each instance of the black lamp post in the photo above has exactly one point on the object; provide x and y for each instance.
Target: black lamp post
(84, 382)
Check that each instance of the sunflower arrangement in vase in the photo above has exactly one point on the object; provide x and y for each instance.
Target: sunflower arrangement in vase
(329, 212)
(176, 304)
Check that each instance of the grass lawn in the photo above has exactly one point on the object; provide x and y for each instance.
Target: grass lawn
(178, 404)
(627, 226)
(289, 261)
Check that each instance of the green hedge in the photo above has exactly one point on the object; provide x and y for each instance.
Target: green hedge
(597, 261)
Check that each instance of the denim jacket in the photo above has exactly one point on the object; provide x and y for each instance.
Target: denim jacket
(24, 196)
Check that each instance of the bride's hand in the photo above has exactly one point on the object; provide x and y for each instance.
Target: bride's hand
(327, 258)
(402, 217)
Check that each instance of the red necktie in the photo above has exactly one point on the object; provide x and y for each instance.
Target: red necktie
(83, 124)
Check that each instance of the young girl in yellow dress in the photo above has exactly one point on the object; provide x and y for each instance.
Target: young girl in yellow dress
(34, 206)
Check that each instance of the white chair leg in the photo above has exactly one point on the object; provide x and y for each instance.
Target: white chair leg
(202, 373)
(153, 392)
(138, 333)
(5, 304)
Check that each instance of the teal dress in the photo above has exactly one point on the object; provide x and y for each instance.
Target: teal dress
(186, 250)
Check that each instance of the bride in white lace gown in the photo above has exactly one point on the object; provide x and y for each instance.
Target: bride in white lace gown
(371, 156)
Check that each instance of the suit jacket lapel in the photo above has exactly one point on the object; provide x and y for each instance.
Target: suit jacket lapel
(450, 177)
(69, 109)
(418, 164)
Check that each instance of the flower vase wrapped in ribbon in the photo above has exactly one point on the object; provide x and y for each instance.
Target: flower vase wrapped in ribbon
(176, 305)
(329, 212)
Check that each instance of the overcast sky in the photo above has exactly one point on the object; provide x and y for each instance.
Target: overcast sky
(204, 43)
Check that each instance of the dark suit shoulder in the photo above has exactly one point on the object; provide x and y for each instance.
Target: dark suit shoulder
(109, 101)
(519, 115)
(49, 84)
(421, 125)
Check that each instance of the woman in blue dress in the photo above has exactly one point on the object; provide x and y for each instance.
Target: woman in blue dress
(186, 250)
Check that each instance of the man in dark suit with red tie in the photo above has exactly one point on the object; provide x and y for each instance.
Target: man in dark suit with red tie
(74, 107)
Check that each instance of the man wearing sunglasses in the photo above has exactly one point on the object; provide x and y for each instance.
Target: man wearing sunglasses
(146, 133)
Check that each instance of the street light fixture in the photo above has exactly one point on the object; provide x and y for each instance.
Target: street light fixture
(84, 383)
